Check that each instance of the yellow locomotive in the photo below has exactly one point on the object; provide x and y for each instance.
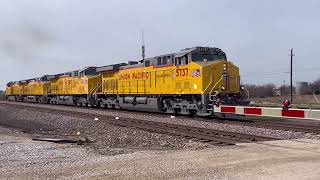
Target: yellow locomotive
(186, 82)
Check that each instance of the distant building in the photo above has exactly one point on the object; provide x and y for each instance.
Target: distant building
(302, 88)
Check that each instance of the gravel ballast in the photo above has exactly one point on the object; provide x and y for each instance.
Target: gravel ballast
(107, 138)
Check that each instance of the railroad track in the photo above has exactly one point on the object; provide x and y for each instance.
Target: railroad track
(211, 136)
(267, 124)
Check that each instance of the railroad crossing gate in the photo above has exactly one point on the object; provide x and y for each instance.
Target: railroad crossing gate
(269, 112)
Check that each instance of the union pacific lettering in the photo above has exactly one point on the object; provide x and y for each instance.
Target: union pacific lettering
(134, 75)
(124, 76)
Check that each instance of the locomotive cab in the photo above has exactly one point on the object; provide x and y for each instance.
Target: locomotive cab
(201, 76)
(219, 78)
(199, 54)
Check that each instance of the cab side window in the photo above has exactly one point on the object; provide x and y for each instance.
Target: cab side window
(170, 60)
(184, 60)
(159, 61)
(164, 60)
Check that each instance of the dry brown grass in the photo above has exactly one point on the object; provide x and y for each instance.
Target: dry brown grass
(300, 101)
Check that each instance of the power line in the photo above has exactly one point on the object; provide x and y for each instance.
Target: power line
(281, 72)
(263, 74)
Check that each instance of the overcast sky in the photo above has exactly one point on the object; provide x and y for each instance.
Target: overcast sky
(51, 36)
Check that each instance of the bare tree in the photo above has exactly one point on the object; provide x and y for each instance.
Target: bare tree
(1, 94)
(315, 86)
(285, 90)
(260, 90)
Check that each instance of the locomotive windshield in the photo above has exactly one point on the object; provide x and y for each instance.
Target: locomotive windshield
(200, 56)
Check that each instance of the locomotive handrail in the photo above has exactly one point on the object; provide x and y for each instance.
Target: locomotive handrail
(210, 94)
(215, 85)
(48, 90)
(209, 84)
(93, 92)
(94, 89)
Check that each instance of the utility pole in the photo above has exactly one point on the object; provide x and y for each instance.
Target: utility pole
(291, 56)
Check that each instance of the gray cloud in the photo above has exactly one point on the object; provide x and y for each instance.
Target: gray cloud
(25, 42)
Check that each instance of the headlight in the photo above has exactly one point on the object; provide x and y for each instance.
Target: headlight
(223, 88)
(242, 87)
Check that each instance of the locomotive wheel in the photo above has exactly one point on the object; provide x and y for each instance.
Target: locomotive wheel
(192, 112)
(78, 102)
(102, 105)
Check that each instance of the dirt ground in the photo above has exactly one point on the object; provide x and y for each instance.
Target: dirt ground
(299, 101)
(22, 158)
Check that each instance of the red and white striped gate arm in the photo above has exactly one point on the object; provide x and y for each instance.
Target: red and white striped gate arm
(269, 112)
